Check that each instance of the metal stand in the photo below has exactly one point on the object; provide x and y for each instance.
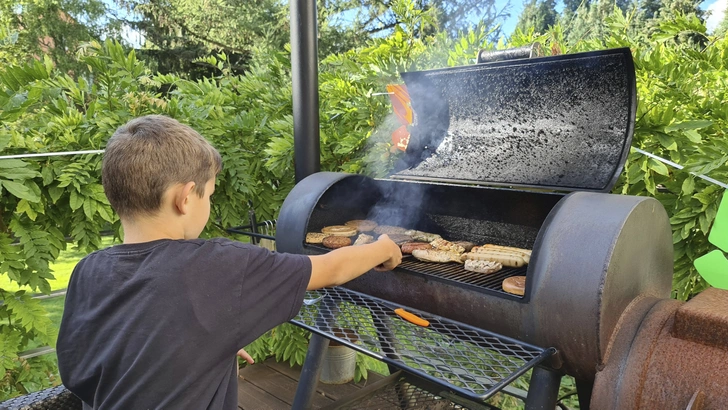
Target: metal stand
(584, 391)
(304, 73)
(543, 391)
(310, 372)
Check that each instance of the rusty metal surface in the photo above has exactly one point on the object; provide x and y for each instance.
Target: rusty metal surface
(697, 402)
(662, 371)
(704, 319)
(618, 383)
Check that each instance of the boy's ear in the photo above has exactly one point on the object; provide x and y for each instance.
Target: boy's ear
(181, 199)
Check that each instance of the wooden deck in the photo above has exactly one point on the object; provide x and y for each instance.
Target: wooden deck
(272, 386)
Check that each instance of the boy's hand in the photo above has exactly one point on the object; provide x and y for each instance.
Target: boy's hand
(245, 356)
(396, 255)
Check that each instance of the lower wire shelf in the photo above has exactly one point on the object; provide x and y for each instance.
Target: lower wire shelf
(470, 362)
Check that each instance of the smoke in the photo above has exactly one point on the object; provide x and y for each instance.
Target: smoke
(400, 205)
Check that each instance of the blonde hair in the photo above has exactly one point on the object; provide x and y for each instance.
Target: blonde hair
(148, 155)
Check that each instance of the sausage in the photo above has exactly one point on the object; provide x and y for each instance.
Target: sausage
(506, 259)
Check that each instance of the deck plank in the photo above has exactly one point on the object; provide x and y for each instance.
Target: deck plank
(333, 391)
(277, 384)
(251, 397)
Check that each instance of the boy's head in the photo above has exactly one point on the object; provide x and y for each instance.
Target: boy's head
(147, 156)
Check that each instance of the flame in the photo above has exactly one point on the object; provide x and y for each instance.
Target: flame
(402, 106)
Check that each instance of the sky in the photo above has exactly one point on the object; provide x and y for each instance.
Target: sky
(717, 11)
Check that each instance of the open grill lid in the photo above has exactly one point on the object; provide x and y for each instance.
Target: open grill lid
(563, 122)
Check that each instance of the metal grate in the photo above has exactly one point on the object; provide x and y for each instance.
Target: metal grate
(54, 398)
(402, 396)
(454, 273)
(472, 362)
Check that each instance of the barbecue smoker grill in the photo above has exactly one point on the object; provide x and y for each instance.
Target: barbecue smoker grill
(519, 153)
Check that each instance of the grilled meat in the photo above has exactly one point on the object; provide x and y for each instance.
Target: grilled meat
(443, 245)
(465, 244)
(339, 230)
(335, 242)
(482, 266)
(433, 255)
(511, 260)
(315, 237)
(362, 225)
(422, 236)
(363, 239)
(525, 254)
(408, 247)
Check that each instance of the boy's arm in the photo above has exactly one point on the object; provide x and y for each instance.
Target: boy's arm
(344, 264)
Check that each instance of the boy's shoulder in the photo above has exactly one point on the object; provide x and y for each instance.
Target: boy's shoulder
(180, 247)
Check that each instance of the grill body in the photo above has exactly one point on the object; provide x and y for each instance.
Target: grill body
(518, 153)
(591, 255)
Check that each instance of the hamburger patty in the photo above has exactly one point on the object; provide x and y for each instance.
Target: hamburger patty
(335, 242)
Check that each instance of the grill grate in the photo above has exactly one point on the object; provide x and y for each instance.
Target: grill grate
(454, 273)
(472, 362)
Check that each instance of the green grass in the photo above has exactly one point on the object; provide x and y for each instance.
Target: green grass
(62, 269)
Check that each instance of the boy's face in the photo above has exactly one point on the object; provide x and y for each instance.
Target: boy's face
(200, 210)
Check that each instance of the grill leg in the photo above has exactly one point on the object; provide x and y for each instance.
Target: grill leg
(310, 372)
(543, 392)
(584, 391)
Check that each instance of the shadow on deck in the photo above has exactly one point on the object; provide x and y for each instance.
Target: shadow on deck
(271, 386)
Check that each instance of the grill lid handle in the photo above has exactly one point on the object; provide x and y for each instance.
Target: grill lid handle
(529, 51)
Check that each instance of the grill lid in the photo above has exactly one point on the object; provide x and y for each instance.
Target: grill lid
(562, 122)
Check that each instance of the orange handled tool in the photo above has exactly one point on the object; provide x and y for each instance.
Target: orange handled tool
(411, 317)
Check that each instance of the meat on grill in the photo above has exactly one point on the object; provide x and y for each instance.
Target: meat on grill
(363, 239)
(465, 244)
(511, 260)
(524, 254)
(422, 236)
(433, 255)
(408, 247)
(482, 266)
(443, 245)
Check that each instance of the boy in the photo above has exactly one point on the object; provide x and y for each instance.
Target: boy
(156, 321)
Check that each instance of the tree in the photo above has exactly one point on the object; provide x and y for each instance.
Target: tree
(376, 16)
(723, 26)
(179, 32)
(589, 21)
(652, 13)
(54, 28)
(539, 15)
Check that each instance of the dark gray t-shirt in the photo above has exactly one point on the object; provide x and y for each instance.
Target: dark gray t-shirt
(157, 325)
